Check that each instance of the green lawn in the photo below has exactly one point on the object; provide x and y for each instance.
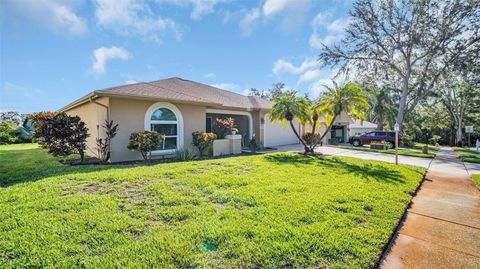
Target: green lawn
(469, 158)
(277, 210)
(420, 146)
(458, 149)
(476, 178)
(405, 152)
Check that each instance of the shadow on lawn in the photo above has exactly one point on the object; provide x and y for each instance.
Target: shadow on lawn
(363, 170)
(21, 166)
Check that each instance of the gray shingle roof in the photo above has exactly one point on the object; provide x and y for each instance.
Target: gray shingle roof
(188, 91)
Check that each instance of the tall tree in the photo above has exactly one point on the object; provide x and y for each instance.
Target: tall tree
(410, 43)
(459, 98)
(381, 106)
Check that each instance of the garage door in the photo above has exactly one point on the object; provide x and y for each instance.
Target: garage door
(275, 135)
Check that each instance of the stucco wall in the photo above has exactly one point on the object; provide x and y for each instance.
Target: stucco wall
(94, 116)
(130, 116)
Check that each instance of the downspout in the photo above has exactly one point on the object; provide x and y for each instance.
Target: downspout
(100, 104)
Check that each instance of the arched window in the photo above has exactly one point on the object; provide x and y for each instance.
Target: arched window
(166, 119)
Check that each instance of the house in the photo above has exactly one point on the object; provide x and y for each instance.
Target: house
(359, 127)
(176, 107)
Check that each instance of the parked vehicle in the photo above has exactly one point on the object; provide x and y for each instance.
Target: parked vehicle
(366, 139)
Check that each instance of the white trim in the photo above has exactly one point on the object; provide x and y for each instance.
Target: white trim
(180, 127)
(233, 112)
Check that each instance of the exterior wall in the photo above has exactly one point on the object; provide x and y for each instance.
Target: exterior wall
(130, 116)
(94, 116)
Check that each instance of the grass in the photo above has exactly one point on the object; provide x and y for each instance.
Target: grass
(420, 146)
(268, 211)
(458, 149)
(405, 152)
(476, 179)
(469, 158)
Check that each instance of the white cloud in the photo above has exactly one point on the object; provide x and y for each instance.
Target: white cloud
(310, 75)
(333, 31)
(272, 7)
(210, 76)
(226, 86)
(103, 55)
(131, 81)
(293, 12)
(246, 23)
(200, 7)
(129, 17)
(282, 65)
(56, 14)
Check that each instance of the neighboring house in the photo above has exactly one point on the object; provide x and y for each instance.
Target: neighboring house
(175, 107)
(359, 127)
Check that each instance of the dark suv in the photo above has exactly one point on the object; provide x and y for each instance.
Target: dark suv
(366, 139)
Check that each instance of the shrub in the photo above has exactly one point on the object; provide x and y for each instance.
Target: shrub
(103, 145)
(224, 127)
(25, 132)
(60, 133)
(435, 139)
(311, 139)
(185, 154)
(7, 133)
(407, 140)
(202, 140)
(253, 144)
(145, 142)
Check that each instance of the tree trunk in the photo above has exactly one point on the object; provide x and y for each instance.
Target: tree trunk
(380, 125)
(402, 106)
(298, 136)
(458, 133)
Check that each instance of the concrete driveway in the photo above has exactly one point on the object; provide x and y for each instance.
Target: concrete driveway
(444, 165)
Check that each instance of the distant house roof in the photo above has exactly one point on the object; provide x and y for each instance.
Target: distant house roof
(365, 124)
(180, 90)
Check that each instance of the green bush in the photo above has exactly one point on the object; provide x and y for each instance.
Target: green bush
(407, 140)
(203, 140)
(145, 142)
(7, 133)
(311, 139)
(185, 154)
(61, 134)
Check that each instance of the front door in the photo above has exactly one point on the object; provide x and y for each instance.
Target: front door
(338, 133)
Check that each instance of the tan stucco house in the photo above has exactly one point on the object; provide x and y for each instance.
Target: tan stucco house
(177, 107)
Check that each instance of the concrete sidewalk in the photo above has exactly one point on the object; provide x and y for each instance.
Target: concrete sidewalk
(442, 227)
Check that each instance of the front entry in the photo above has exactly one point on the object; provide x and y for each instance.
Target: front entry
(241, 123)
(338, 133)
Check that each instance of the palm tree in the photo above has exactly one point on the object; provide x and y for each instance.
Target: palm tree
(348, 98)
(381, 109)
(287, 107)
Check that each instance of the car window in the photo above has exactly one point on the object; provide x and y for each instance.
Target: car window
(370, 134)
(380, 134)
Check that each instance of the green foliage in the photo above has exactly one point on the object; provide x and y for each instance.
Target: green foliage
(103, 145)
(465, 150)
(435, 139)
(469, 158)
(381, 109)
(223, 127)
(310, 138)
(26, 131)
(185, 154)
(253, 145)
(7, 133)
(145, 142)
(277, 210)
(61, 134)
(203, 140)
(476, 179)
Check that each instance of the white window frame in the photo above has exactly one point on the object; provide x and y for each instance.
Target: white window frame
(179, 122)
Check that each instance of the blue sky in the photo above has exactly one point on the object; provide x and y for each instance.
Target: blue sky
(54, 51)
